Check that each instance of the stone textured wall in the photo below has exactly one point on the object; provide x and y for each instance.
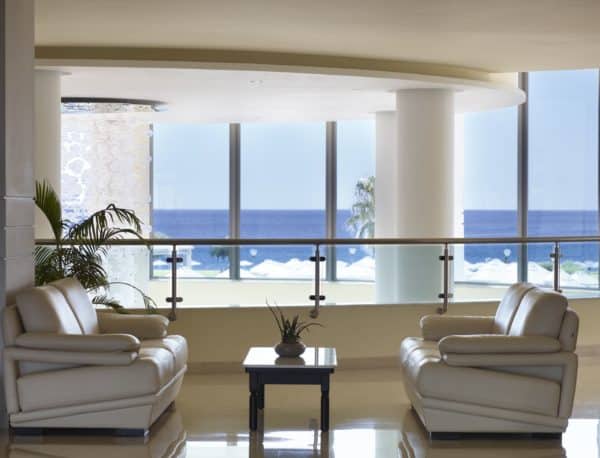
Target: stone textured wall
(106, 159)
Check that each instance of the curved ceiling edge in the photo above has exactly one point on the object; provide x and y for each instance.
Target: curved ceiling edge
(257, 59)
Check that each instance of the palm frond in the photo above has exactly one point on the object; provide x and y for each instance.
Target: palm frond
(43, 254)
(149, 303)
(362, 218)
(103, 299)
(106, 218)
(48, 201)
(81, 252)
(94, 240)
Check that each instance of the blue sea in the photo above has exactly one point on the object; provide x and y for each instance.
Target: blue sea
(311, 223)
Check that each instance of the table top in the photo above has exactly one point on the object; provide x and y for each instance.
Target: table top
(312, 358)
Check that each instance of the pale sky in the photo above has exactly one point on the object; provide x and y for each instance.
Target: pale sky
(283, 165)
(563, 150)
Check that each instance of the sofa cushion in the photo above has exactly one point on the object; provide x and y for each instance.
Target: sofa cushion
(88, 384)
(175, 345)
(141, 326)
(80, 303)
(432, 378)
(540, 314)
(507, 309)
(45, 309)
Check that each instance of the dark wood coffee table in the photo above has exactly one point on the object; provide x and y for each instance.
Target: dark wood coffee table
(265, 367)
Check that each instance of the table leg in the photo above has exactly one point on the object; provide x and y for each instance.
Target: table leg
(254, 396)
(325, 403)
(253, 411)
(261, 396)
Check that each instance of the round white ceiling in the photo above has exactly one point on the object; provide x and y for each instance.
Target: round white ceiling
(233, 95)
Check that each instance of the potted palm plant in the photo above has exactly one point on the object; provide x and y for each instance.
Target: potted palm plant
(80, 248)
(291, 344)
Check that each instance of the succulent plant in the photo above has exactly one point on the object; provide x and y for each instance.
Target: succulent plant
(290, 329)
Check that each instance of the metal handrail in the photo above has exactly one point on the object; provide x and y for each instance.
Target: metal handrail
(318, 243)
(344, 241)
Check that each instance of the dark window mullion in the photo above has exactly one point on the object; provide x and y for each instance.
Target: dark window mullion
(331, 195)
(234, 198)
(523, 175)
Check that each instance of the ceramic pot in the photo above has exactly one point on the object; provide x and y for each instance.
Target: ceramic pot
(290, 350)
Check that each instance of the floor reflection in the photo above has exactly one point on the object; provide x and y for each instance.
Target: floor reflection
(168, 439)
(370, 419)
(408, 441)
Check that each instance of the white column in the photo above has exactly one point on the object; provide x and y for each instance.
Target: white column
(47, 138)
(386, 206)
(414, 192)
(16, 153)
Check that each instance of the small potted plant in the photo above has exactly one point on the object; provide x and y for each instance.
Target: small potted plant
(291, 344)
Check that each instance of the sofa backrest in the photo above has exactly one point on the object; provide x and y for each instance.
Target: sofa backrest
(569, 330)
(540, 313)
(508, 306)
(12, 326)
(80, 304)
(45, 309)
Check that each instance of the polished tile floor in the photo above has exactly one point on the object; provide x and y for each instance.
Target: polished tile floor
(370, 419)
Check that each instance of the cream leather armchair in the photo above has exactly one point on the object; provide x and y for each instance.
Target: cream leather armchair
(68, 366)
(514, 372)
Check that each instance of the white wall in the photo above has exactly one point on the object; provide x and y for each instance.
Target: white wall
(365, 336)
(16, 150)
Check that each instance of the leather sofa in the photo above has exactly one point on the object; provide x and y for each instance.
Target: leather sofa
(514, 372)
(67, 365)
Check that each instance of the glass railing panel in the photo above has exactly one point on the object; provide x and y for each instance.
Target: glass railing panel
(279, 262)
(128, 270)
(484, 271)
(359, 273)
(387, 274)
(579, 274)
(540, 269)
(355, 263)
(198, 261)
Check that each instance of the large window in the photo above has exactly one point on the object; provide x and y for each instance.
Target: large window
(282, 195)
(563, 170)
(284, 178)
(490, 159)
(355, 198)
(191, 193)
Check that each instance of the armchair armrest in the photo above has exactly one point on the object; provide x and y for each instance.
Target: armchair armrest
(78, 343)
(141, 326)
(436, 327)
(560, 358)
(83, 358)
(497, 343)
(567, 361)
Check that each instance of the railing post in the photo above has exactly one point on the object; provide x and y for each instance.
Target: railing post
(174, 299)
(555, 256)
(446, 294)
(317, 297)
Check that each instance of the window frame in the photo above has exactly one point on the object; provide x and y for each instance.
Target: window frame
(330, 139)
